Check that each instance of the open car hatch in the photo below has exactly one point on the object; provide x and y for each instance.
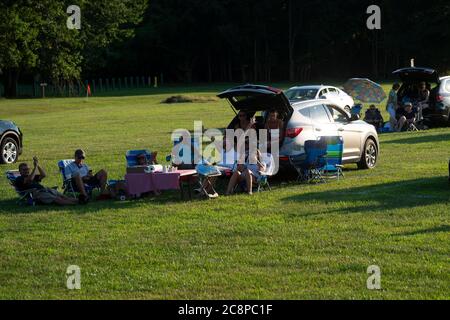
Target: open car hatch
(253, 98)
(415, 74)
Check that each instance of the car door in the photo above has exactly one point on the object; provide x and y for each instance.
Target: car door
(321, 122)
(351, 132)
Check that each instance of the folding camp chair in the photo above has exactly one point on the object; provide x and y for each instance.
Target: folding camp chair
(310, 166)
(335, 149)
(263, 179)
(132, 157)
(205, 173)
(68, 185)
(25, 196)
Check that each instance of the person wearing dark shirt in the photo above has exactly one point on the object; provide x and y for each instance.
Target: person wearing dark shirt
(406, 116)
(373, 117)
(31, 180)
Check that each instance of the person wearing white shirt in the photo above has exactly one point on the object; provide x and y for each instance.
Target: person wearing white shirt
(81, 175)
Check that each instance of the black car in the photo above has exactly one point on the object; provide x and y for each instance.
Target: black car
(10, 142)
(438, 112)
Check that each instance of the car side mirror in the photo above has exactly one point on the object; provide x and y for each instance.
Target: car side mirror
(322, 97)
(354, 117)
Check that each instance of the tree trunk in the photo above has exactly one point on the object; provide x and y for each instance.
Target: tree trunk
(255, 61)
(209, 68)
(11, 80)
(291, 43)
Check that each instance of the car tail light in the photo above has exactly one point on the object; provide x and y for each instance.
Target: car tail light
(293, 132)
(439, 98)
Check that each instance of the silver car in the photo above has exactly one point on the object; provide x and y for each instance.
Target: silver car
(307, 120)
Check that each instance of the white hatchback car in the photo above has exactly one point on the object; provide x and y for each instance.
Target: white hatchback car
(332, 94)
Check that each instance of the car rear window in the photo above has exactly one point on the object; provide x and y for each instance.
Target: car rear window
(447, 85)
(319, 114)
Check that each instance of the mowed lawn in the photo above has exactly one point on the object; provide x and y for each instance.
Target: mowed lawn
(295, 242)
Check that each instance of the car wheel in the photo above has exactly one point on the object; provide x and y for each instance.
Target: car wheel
(348, 109)
(9, 151)
(369, 156)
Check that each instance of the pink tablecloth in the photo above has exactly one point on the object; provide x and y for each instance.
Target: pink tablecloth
(138, 183)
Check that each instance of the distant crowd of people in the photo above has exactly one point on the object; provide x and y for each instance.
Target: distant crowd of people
(403, 112)
(81, 176)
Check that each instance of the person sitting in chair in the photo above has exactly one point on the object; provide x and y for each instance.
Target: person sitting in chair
(81, 175)
(248, 172)
(143, 161)
(245, 121)
(373, 116)
(406, 116)
(32, 181)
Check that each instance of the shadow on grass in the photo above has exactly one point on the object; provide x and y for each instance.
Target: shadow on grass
(441, 229)
(168, 197)
(420, 139)
(382, 197)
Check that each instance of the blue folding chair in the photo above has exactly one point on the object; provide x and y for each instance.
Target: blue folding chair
(310, 166)
(25, 196)
(68, 185)
(191, 164)
(335, 150)
(132, 156)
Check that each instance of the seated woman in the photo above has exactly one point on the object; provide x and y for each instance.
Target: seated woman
(142, 159)
(248, 172)
(245, 121)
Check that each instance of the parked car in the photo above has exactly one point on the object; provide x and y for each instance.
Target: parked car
(307, 120)
(10, 142)
(438, 112)
(333, 94)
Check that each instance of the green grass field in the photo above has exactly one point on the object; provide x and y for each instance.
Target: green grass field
(296, 242)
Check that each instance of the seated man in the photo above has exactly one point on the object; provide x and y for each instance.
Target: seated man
(373, 116)
(406, 116)
(32, 181)
(80, 174)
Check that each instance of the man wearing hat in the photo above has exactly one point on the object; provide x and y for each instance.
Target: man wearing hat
(406, 116)
(81, 175)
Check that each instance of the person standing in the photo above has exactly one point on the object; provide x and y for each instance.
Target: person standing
(392, 106)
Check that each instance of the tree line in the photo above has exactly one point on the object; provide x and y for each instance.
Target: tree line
(220, 40)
